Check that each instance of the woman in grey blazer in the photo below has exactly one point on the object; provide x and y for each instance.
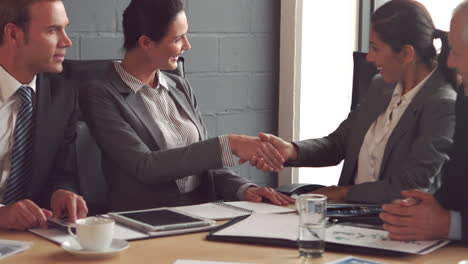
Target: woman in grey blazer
(400, 135)
(155, 148)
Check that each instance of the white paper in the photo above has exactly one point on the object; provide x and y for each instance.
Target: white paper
(211, 211)
(187, 261)
(182, 231)
(286, 227)
(13, 247)
(373, 238)
(59, 235)
(265, 225)
(353, 260)
(263, 208)
(216, 212)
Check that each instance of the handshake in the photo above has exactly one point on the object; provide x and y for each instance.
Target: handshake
(265, 152)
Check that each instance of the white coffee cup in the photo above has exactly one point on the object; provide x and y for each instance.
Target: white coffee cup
(93, 233)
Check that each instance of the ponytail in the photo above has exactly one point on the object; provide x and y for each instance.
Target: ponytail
(449, 74)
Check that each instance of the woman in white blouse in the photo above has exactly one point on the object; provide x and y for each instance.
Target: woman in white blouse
(399, 136)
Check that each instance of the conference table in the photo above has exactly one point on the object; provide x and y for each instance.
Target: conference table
(194, 247)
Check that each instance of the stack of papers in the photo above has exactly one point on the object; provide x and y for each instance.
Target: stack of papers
(12, 247)
(59, 234)
(229, 210)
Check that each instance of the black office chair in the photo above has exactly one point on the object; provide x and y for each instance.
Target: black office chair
(93, 185)
(363, 72)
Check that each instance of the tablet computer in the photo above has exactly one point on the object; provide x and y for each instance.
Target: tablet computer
(159, 219)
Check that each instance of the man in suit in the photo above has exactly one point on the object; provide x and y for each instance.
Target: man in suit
(38, 115)
(422, 216)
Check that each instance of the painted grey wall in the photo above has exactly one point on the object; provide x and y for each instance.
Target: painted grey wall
(233, 64)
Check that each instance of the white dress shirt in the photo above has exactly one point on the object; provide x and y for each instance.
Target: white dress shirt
(375, 141)
(10, 104)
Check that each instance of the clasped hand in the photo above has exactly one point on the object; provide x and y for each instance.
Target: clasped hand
(418, 217)
(268, 153)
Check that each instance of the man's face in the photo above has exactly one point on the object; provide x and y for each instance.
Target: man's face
(459, 48)
(43, 49)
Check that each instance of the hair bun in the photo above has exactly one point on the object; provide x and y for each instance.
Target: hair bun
(439, 34)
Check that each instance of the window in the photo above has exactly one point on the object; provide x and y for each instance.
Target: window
(441, 11)
(329, 37)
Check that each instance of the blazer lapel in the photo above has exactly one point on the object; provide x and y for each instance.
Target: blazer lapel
(411, 113)
(41, 122)
(136, 104)
(376, 103)
(181, 100)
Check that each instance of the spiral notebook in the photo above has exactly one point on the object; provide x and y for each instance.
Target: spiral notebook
(229, 210)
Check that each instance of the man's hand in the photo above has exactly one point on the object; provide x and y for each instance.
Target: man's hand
(425, 220)
(256, 194)
(247, 148)
(334, 193)
(64, 202)
(23, 215)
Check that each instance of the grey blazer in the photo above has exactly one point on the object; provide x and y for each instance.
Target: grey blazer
(140, 171)
(415, 152)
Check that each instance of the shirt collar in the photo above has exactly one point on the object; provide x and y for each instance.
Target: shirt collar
(134, 83)
(407, 97)
(9, 85)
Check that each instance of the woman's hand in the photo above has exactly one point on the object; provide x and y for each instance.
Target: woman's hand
(285, 149)
(248, 148)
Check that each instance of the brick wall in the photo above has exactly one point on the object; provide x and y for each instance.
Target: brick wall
(232, 66)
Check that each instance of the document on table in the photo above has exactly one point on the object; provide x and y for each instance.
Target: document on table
(374, 238)
(285, 227)
(229, 210)
(13, 247)
(353, 260)
(187, 261)
(59, 234)
(266, 226)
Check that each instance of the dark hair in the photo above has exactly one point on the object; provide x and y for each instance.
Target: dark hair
(407, 22)
(16, 12)
(150, 18)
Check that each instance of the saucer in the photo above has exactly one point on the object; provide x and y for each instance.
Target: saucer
(73, 247)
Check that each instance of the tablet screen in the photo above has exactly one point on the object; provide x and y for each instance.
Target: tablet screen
(160, 217)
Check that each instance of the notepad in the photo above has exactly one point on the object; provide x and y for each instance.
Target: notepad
(229, 210)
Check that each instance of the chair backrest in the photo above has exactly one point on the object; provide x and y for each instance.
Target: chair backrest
(363, 73)
(93, 186)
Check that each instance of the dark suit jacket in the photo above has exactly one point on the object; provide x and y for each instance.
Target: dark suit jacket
(53, 162)
(414, 154)
(453, 192)
(139, 169)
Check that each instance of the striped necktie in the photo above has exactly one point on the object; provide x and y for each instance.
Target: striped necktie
(22, 149)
